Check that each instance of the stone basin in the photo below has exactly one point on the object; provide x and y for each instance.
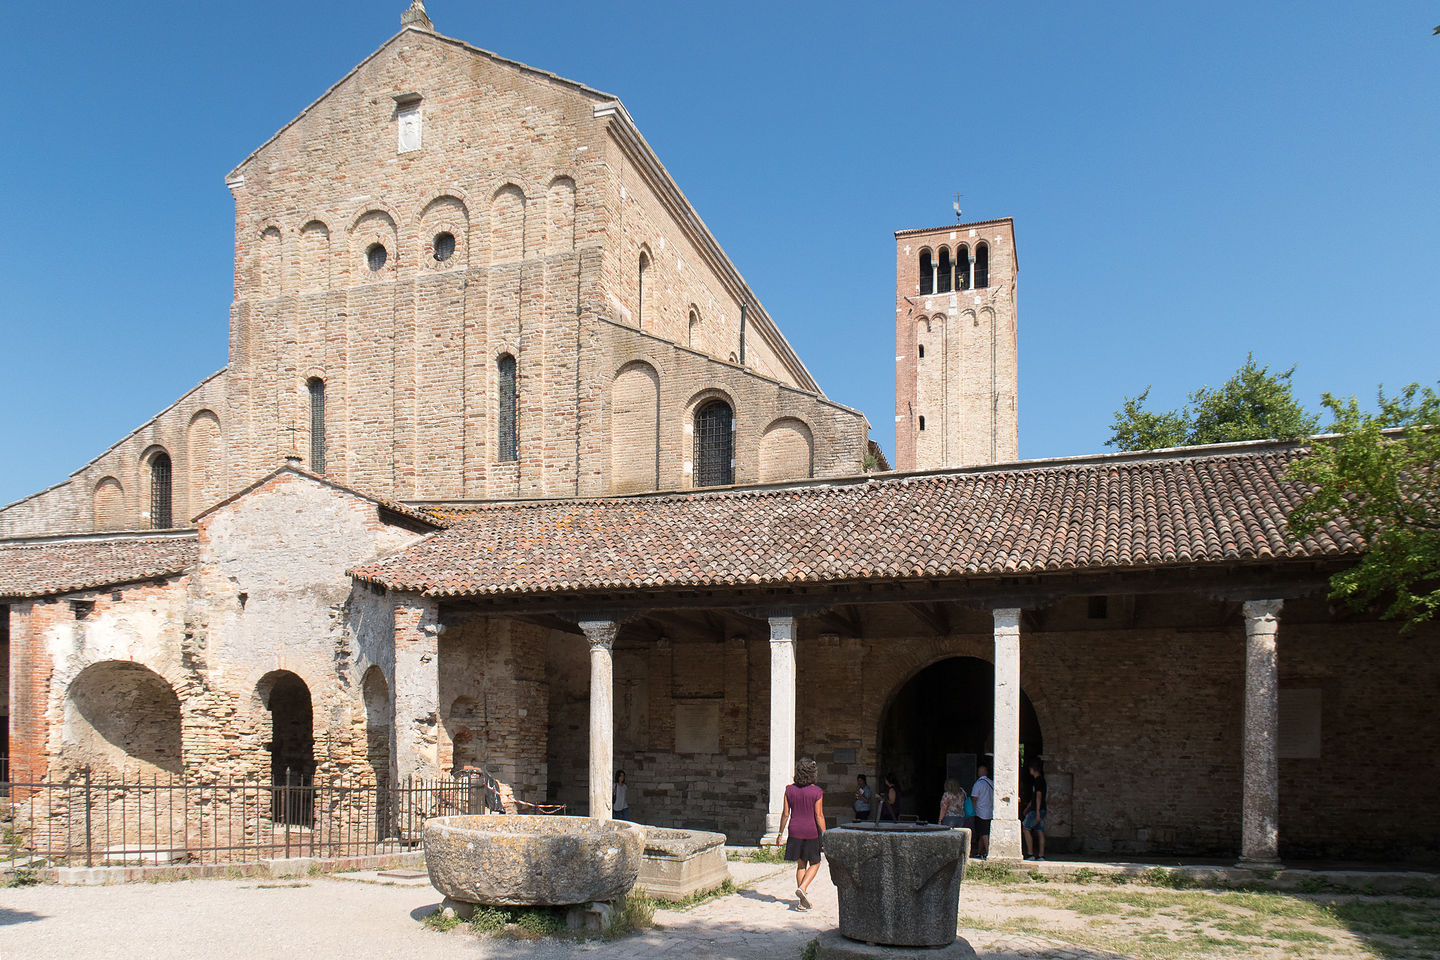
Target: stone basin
(678, 863)
(532, 861)
(898, 883)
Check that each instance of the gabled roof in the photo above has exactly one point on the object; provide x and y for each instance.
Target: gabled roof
(1176, 508)
(45, 566)
(396, 509)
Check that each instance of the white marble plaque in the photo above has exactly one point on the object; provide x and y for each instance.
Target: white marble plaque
(1299, 735)
(409, 128)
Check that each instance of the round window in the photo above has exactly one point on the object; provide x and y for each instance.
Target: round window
(444, 246)
(375, 257)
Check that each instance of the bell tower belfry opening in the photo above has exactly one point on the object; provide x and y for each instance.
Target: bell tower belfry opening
(956, 373)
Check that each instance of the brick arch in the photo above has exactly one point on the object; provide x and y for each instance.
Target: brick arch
(203, 461)
(122, 716)
(315, 252)
(635, 428)
(147, 482)
(107, 499)
(560, 224)
(508, 212)
(270, 261)
(375, 224)
(446, 212)
(787, 450)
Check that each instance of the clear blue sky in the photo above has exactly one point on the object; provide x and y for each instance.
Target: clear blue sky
(1189, 183)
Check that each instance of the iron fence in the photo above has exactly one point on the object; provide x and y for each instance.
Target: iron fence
(91, 818)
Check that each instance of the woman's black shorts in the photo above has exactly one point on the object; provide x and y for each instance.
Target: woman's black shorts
(806, 849)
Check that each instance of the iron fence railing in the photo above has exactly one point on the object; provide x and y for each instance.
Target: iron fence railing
(90, 818)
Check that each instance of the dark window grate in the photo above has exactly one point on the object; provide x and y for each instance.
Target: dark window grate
(943, 274)
(927, 273)
(982, 266)
(160, 515)
(444, 246)
(714, 444)
(506, 413)
(317, 425)
(375, 257)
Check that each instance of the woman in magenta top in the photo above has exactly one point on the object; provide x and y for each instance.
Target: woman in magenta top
(804, 812)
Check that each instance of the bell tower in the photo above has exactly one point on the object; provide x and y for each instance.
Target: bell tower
(956, 373)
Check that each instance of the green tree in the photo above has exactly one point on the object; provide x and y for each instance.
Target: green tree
(1254, 404)
(1381, 474)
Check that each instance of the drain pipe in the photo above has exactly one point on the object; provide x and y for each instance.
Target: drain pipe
(742, 334)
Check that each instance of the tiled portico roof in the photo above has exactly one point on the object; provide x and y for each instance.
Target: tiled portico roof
(1176, 508)
(39, 568)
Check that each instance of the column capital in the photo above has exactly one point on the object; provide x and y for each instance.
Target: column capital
(1007, 619)
(600, 633)
(782, 629)
(1262, 610)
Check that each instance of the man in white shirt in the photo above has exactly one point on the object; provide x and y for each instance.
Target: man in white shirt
(983, 793)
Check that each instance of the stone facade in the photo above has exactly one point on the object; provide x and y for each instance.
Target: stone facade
(512, 220)
(956, 356)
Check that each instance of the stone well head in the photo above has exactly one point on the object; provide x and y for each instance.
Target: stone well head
(898, 883)
(532, 861)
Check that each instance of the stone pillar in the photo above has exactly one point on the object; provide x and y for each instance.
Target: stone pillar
(417, 687)
(1260, 804)
(782, 720)
(601, 634)
(1005, 827)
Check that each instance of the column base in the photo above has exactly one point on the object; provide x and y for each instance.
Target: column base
(1266, 864)
(1005, 840)
(770, 840)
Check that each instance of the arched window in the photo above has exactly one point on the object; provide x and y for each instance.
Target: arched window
(505, 415)
(922, 422)
(942, 275)
(982, 266)
(922, 351)
(694, 328)
(640, 298)
(317, 424)
(927, 273)
(962, 267)
(714, 444)
(160, 515)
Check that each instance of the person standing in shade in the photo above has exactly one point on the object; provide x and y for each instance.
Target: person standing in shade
(863, 793)
(890, 801)
(803, 811)
(1033, 826)
(984, 793)
(620, 802)
(952, 805)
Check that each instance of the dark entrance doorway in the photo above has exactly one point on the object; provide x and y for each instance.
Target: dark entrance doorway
(944, 718)
(292, 748)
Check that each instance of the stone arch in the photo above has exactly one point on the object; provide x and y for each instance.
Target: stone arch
(944, 271)
(787, 451)
(270, 263)
(926, 271)
(645, 282)
(123, 718)
(108, 504)
(507, 224)
(560, 216)
(944, 708)
(291, 745)
(203, 466)
(445, 214)
(635, 429)
(314, 256)
(694, 328)
(379, 723)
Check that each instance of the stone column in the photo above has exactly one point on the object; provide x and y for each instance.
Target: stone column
(601, 634)
(1260, 804)
(1005, 827)
(782, 720)
(417, 687)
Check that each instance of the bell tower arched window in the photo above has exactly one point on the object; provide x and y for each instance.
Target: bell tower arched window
(316, 387)
(942, 274)
(982, 266)
(505, 416)
(927, 273)
(161, 517)
(714, 444)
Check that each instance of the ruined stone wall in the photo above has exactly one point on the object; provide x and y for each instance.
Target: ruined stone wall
(494, 702)
(112, 492)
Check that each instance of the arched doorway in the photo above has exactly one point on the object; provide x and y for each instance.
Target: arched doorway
(943, 719)
(292, 747)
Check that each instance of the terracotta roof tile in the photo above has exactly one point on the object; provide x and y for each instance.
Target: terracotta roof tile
(38, 568)
(1226, 504)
